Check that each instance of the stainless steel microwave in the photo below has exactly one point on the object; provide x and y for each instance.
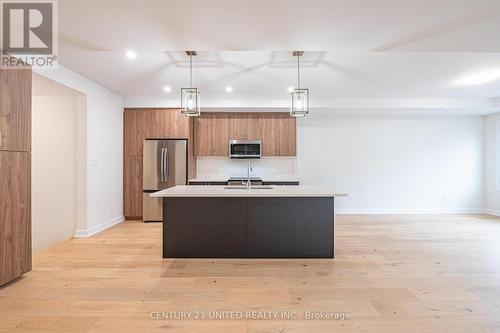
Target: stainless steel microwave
(245, 148)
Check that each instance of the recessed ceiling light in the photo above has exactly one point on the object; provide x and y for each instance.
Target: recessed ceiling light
(229, 89)
(167, 89)
(131, 54)
(480, 77)
(290, 89)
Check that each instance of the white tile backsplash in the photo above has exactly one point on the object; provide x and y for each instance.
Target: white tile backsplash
(267, 168)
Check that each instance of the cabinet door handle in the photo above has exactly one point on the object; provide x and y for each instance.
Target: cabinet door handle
(166, 165)
(162, 165)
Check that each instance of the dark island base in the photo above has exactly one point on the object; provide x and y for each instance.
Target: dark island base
(248, 227)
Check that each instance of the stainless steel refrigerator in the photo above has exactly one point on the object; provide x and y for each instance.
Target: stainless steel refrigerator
(164, 166)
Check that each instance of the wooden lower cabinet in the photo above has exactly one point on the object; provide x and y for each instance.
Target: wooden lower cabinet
(132, 194)
(15, 215)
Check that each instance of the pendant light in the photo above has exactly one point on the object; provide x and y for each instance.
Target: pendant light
(190, 97)
(299, 97)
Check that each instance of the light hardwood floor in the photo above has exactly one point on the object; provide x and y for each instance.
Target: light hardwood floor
(415, 273)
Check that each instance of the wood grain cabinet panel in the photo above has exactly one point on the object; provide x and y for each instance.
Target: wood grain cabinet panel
(156, 124)
(132, 194)
(245, 126)
(166, 124)
(211, 135)
(133, 132)
(220, 135)
(15, 215)
(179, 125)
(270, 135)
(287, 135)
(238, 126)
(279, 134)
(15, 109)
(254, 127)
(202, 136)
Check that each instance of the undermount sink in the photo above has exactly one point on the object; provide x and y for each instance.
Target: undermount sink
(235, 187)
(243, 187)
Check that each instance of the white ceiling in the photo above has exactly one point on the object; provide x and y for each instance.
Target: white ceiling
(378, 51)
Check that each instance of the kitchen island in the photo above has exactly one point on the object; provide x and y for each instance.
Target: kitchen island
(266, 222)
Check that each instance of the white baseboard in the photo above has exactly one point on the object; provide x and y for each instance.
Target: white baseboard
(97, 229)
(492, 212)
(406, 211)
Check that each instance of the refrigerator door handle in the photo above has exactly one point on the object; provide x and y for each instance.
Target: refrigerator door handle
(166, 165)
(162, 167)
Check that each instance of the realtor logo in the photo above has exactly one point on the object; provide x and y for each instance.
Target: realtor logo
(27, 27)
(28, 33)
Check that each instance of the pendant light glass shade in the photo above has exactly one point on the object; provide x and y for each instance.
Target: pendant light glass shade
(299, 104)
(190, 97)
(190, 101)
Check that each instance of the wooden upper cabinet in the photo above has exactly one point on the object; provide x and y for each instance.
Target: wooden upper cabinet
(15, 109)
(141, 124)
(254, 127)
(15, 215)
(220, 135)
(157, 124)
(270, 135)
(238, 126)
(245, 126)
(287, 137)
(214, 130)
(211, 135)
(202, 136)
(279, 136)
(181, 125)
(133, 133)
(166, 124)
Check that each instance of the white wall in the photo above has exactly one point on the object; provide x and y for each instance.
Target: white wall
(492, 164)
(53, 170)
(104, 151)
(394, 164)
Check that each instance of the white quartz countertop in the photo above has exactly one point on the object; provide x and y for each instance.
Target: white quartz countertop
(225, 179)
(184, 191)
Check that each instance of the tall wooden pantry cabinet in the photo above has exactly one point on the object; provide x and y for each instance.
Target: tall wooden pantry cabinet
(15, 173)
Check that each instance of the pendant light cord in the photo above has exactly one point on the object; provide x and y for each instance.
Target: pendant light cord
(298, 71)
(190, 71)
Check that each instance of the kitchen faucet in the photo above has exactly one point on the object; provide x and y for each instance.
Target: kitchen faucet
(249, 170)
